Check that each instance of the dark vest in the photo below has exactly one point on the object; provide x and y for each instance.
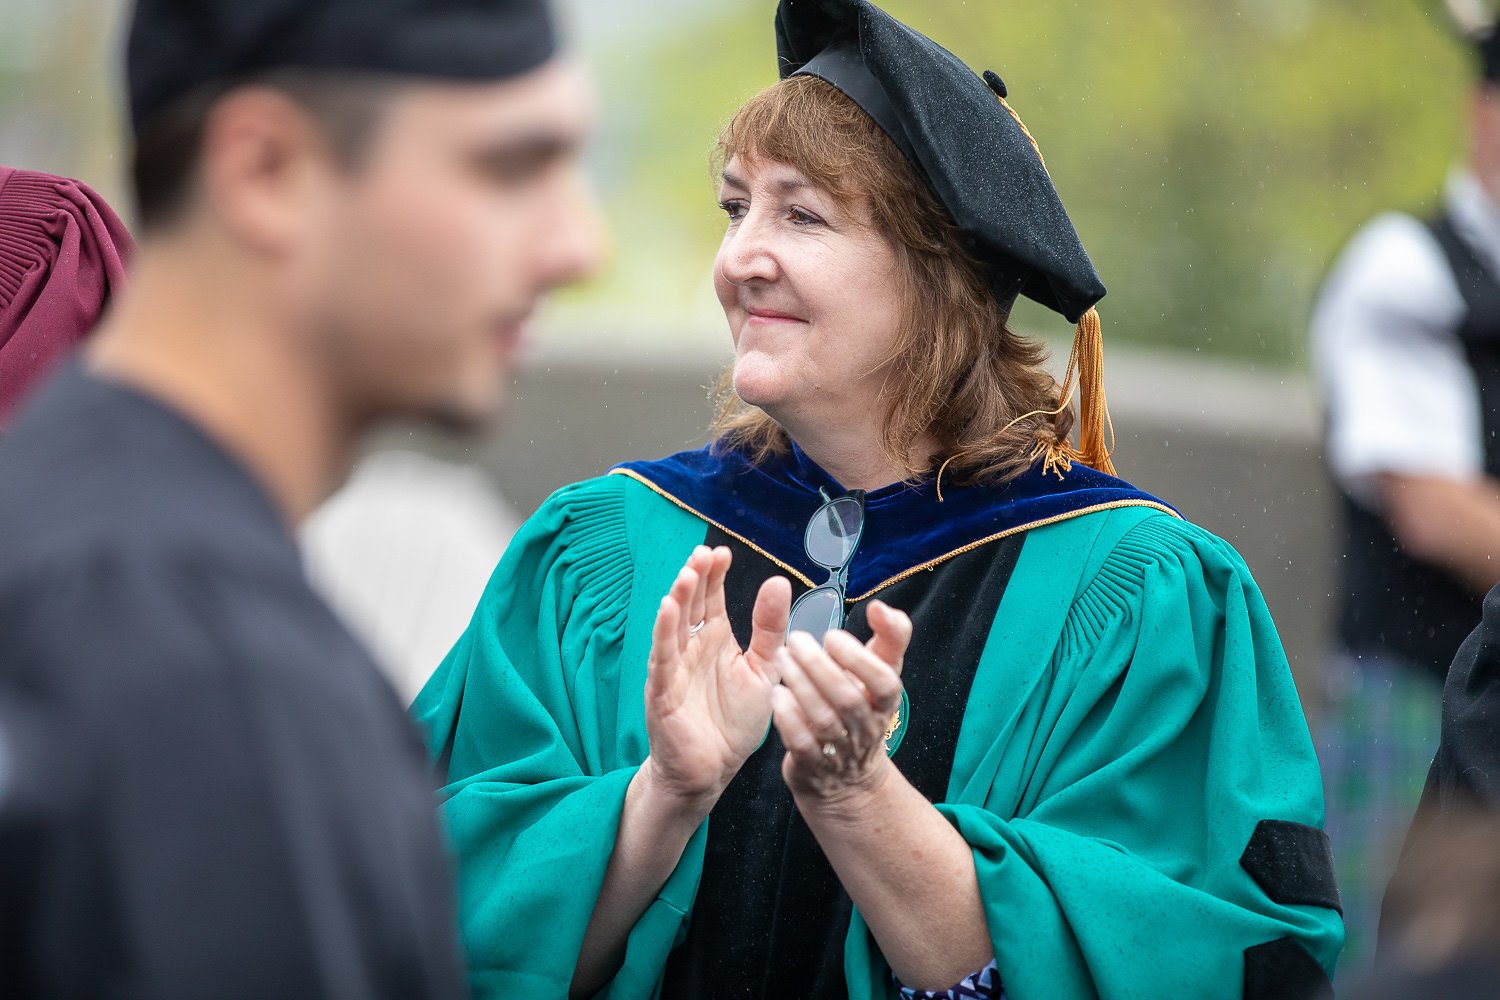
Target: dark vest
(1393, 604)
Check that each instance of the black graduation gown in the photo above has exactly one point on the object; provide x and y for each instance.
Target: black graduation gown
(1465, 773)
(1466, 770)
(213, 792)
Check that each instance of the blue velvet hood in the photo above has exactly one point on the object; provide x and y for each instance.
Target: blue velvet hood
(907, 526)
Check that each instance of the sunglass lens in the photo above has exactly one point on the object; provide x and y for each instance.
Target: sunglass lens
(833, 532)
(816, 611)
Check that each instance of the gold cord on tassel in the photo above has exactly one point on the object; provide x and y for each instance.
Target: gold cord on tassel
(1026, 132)
(940, 474)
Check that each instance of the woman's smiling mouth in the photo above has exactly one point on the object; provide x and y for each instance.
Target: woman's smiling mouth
(758, 314)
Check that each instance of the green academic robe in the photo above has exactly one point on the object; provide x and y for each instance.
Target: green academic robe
(1133, 769)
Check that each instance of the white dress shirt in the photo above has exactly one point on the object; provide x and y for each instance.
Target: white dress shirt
(1400, 395)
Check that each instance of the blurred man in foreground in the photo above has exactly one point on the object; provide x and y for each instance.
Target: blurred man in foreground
(347, 210)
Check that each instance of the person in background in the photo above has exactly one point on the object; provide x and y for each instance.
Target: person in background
(347, 210)
(1406, 346)
(403, 550)
(62, 258)
(1048, 745)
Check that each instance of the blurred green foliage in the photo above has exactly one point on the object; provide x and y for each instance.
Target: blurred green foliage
(1214, 155)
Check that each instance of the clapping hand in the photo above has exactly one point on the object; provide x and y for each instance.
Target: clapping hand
(708, 703)
(835, 704)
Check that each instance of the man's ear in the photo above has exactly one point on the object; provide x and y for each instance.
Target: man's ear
(265, 168)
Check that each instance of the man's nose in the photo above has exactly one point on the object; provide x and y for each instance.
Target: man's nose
(575, 245)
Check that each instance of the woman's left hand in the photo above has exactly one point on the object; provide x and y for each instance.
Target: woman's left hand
(835, 704)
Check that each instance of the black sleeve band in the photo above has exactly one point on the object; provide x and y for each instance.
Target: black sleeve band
(1283, 970)
(1292, 863)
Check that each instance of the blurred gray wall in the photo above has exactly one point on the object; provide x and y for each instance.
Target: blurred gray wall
(1235, 449)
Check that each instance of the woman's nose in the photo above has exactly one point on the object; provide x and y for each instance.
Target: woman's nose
(747, 254)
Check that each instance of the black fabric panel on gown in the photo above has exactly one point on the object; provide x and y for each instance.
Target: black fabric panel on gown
(1293, 863)
(771, 917)
(1284, 970)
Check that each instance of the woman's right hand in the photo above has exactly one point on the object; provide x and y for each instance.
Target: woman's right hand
(708, 703)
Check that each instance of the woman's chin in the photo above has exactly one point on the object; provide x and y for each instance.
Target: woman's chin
(758, 388)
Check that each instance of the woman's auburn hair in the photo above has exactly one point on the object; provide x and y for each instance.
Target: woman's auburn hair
(956, 371)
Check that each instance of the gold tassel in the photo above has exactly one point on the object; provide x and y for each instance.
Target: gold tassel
(1096, 432)
(1086, 363)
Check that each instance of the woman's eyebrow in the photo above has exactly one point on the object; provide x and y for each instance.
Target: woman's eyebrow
(782, 185)
(793, 182)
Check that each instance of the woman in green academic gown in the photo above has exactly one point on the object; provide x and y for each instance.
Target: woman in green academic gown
(1053, 750)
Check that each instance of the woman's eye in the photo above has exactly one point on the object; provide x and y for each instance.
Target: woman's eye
(733, 207)
(802, 217)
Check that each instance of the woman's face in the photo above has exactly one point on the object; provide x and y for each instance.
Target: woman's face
(811, 293)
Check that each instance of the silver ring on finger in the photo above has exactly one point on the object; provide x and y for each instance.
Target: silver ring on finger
(695, 629)
(829, 750)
